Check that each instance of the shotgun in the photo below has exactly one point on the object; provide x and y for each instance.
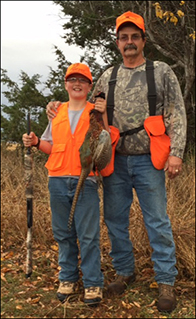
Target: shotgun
(28, 165)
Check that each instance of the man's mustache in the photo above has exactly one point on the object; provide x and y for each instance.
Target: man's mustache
(130, 46)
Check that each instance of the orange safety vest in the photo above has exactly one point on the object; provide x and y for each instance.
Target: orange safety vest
(65, 156)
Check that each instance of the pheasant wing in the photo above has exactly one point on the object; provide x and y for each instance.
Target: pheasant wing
(103, 151)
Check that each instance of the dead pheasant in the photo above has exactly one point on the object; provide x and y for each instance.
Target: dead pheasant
(95, 154)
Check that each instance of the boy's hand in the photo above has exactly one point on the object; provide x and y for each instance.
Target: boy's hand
(29, 140)
(100, 105)
(100, 102)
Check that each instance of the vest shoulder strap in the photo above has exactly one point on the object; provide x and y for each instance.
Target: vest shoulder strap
(151, 95)
(110, 97)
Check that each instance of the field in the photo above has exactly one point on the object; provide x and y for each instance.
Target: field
(36, 297)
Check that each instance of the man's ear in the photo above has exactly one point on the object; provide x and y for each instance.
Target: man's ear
(117, 43)
(144, 42)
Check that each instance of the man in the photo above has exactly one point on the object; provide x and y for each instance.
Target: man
(133, 165)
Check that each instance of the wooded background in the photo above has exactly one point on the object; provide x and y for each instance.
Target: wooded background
(90, 25)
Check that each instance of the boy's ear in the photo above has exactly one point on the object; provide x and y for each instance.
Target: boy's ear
(90, 87)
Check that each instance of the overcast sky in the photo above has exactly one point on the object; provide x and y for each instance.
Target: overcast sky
(29, 29)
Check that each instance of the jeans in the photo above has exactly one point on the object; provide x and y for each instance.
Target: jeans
(85, 228)
(138, 172)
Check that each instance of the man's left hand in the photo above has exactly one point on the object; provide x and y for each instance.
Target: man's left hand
(173, 166)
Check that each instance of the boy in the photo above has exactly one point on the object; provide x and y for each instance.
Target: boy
(62, 139)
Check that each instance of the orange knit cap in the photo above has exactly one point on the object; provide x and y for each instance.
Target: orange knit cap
(79, 68)
(130, 17)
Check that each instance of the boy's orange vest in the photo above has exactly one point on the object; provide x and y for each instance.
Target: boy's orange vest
(65, 157)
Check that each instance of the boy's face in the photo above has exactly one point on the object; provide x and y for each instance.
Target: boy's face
(77, 86)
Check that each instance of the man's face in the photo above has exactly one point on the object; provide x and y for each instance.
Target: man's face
(130, 42)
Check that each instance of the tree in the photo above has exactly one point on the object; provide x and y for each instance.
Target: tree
(170, 29)
(28, 97)
(56, 79)
(170, 32)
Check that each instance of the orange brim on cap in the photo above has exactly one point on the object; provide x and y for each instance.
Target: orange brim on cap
(130, 17)
(79, 68)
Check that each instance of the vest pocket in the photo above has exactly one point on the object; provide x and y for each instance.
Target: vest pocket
(56, 157)
(159, 140)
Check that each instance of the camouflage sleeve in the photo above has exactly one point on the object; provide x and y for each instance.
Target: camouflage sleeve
(174, 112)
(101, 85)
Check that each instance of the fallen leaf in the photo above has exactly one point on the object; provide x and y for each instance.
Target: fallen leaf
(27, 283)
(8, 255)
(5, 269)
(53, 265)
(154, 285)
(152, 303)
(136, 304)
(48, 288)
(126, 305)
(35, 300)
(136, 291)
(21, 292)
(19, 307)
(3, 277)
(54, 247)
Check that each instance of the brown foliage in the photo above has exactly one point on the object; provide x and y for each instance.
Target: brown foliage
(181, 210)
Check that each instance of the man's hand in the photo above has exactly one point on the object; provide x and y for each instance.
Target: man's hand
(173, 166)
(51, 109)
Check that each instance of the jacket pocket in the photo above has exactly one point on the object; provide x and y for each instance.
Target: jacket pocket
(56, 157)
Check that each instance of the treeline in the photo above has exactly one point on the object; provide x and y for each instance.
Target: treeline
(90, 25)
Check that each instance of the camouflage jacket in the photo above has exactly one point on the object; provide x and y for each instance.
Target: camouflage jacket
(131, 106)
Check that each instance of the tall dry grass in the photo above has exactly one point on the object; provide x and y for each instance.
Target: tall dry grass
(181, 210)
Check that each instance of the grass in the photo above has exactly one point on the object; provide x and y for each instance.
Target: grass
(35, 297)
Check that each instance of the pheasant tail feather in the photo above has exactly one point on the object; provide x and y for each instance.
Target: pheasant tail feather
(83, 176)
